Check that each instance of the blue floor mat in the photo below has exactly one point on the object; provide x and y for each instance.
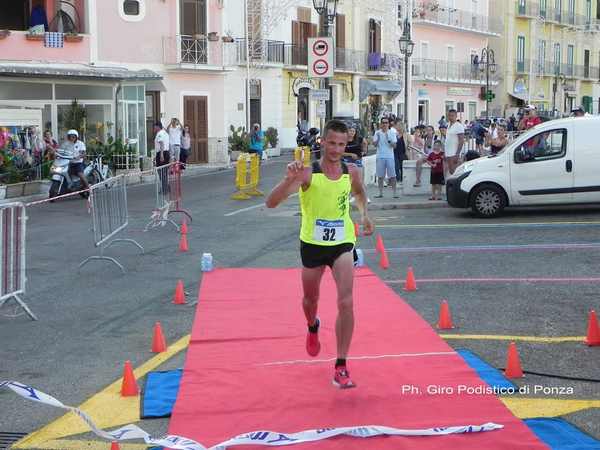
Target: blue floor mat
(160, 393)
(559, 434)
(492, 376)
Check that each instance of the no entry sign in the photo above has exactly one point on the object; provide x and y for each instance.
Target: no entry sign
(320, 57)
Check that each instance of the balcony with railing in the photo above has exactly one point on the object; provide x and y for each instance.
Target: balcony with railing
(550, 69)
(262, 51)
(383, 62)
(198, 52)
(427, 13)
(447, 71)
(349, 60)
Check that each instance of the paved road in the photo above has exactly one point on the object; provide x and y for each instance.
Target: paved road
(93, 320)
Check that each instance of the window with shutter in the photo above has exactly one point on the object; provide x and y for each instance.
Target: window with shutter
(193, 17)
(340, 31)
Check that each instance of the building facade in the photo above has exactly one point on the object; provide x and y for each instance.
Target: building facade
(551, 51)
(449, 36)
(367, 75)
(129, 63)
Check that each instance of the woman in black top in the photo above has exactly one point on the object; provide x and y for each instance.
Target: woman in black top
(355, 149)
(399, 150)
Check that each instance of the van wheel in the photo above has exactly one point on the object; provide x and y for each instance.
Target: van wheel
(488, 201)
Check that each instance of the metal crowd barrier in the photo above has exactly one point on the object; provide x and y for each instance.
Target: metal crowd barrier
(13, 230)
(247, 188)
(108, 207)
(168, 195)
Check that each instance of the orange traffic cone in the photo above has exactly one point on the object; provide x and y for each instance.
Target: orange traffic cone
(513, 364)
(384, 262)
(410, 284)
(159, 343)
(356, 230)
(184, 227)
(593, 332)
(445, 321)
(183, 243)
(115, 446)
(379, 245)
(129, 387)
(179, 298)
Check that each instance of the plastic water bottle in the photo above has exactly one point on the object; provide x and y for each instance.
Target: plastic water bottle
(206, 265)
(360, 262)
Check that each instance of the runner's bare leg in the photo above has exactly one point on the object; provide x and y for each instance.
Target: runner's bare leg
(311, 283)
(343, 272)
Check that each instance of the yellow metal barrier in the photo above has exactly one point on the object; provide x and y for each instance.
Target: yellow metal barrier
(247, 188)
(302, 154)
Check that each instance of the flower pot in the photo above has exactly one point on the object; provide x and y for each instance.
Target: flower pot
(34, 37)
(235, 154)
(213, 36)
(228, 39)
(73, 37)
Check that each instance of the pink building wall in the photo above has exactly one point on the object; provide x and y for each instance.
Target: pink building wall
(122, 41)
(17, 48)
(439, 39)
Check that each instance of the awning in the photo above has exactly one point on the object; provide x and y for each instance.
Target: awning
(78, 71)
(523, 96)
(155, 85)
(378, 87)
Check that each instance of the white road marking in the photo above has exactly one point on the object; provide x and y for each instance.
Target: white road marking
(250, 208)
(355, 358)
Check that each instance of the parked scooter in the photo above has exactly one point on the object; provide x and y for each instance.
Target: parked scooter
(310, 139)
(63, 182)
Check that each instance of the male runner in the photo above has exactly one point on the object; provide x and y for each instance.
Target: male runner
(327, 236)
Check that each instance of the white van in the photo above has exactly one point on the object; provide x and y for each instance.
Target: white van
(556, 162)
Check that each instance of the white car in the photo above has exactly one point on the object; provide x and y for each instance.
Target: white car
(556, 162)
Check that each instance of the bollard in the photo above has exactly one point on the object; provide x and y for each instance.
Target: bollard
(302, 154)
(241, 183)
(254, 176)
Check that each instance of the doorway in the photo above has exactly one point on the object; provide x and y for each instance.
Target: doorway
(152, 116)
(303, 108)
(195, 114)
(423, 112)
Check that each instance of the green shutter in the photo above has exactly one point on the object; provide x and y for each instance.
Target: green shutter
(587, 103)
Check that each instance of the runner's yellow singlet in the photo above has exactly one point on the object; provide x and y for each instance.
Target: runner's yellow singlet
(325, 209)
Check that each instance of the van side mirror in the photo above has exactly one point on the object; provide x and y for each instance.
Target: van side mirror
(519, 155)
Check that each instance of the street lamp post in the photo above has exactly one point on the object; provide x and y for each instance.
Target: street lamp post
(407, 47)
(487, 64)
(328, 10)
(558, 77)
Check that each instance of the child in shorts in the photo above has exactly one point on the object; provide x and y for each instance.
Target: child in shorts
(436, 160)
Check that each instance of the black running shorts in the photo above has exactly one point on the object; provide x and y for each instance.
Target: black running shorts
(320, 255)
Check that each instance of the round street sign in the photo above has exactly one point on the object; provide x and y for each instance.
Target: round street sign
(320, 47)
(320, 67)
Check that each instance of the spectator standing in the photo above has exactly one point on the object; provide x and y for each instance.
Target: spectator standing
(499, 142)
(257, 141)
(530, 118)
(161, 145)
(50, 145)
(385, 141)
(442, 121)
(455, 139)
(436, 160)
(355, 150)
(186, 146)
(402, 141)
(175, 132)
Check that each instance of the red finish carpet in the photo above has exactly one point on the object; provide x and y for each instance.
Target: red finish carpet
(247, 369)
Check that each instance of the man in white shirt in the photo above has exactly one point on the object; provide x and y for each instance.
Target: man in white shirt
(161, 145)
(385, 141)
(77, 149)
(455, 139)
(175, 132)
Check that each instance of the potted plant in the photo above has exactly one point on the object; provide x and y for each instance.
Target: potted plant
(272, 141)
(4, 34)
(239, 141)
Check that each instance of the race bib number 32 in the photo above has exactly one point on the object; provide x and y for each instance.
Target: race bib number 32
(329, 230)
